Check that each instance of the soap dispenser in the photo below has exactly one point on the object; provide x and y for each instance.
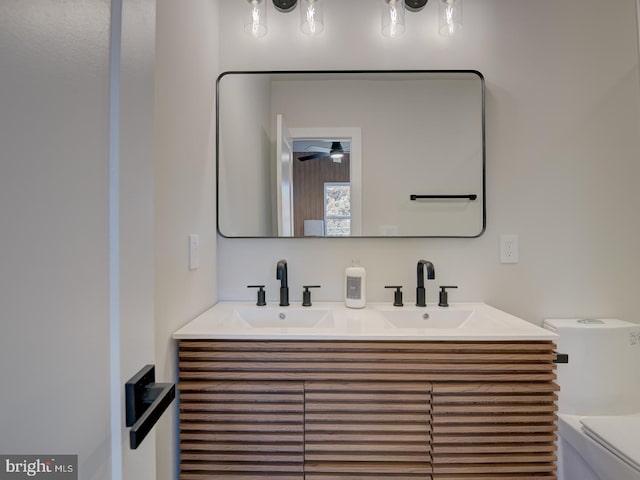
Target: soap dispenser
(355, 285)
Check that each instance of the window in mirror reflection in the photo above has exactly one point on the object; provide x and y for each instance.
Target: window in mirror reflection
(337, 209)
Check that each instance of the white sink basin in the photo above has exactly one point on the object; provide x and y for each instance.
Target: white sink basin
(426, 317)
(285, 317)
(377, 321)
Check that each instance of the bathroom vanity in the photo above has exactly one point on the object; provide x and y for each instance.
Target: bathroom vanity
(326, 392)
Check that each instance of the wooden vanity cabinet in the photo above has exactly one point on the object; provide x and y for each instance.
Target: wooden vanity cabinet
(322, 410)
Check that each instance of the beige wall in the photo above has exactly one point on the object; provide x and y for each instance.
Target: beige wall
(563, 110)
(186, 57)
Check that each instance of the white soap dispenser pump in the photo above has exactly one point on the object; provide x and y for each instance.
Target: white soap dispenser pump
(355, 285)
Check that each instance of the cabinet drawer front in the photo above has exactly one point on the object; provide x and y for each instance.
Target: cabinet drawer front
(366, 361)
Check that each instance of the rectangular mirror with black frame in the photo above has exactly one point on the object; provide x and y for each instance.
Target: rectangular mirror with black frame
(351, 154)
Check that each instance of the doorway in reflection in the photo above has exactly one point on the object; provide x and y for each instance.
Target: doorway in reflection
(326, 181)
(322, 187)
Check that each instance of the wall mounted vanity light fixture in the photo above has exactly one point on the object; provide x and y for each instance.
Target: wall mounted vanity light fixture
(311, 17)
(255, 19)
(415, 5)
(392, 18)
(285, 5)
(393, 13)
(450, 17)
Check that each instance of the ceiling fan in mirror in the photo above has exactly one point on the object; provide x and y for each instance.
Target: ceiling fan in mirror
(335, 151)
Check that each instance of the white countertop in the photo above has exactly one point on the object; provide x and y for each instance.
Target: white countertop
(377, 321)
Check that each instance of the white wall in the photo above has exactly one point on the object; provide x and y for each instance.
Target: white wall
(55, 188)
(563, 109)
(56, 353)
(248, 105)
(136, 346)
(186, 57)
(54, 136)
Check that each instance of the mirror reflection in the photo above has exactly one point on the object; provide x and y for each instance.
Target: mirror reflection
(335, 154)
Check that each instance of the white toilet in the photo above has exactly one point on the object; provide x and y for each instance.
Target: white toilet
(599, 399)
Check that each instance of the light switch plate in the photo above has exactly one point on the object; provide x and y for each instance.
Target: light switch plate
(194, 251)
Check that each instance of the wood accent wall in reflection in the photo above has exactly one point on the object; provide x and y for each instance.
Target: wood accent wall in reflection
(308, 186)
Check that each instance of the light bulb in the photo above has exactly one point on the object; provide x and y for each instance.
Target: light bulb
(392, 18)
(256, 19)
(311, 17)
(450, 17)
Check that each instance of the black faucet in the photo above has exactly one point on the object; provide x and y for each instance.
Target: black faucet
(421, 294)
(281, 274)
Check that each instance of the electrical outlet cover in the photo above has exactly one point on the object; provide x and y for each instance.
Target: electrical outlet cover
(509, 249)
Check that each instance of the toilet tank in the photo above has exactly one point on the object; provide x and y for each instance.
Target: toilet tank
(603, 373)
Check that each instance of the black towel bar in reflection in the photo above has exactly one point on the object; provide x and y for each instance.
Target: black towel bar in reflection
(145, 402)
(413, 196)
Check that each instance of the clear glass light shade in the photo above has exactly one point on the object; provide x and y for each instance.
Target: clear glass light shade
(311, 17)
(450, 17)
(255, 21)
(392, 18)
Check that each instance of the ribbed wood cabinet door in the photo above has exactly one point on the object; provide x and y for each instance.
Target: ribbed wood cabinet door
(367, 430)
(241, 430)
(498, 430)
